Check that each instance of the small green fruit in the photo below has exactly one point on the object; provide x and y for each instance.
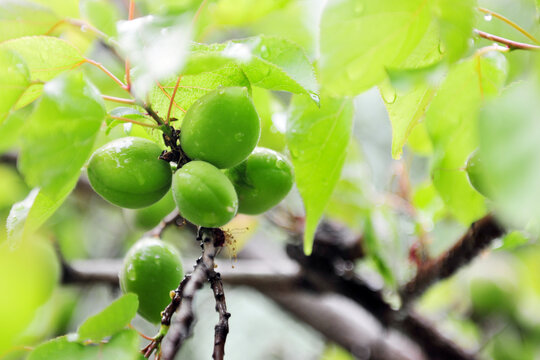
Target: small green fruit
(261, 181)
(151, 270)
(475, 174)
(149, 217)
(204, 195)
(128, 172)
(221, 127)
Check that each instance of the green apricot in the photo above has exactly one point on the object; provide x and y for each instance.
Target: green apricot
(204, 195)
(221, 128)
(261, 181)
(475, 174)
(151, 269)
(128, 172)
(149, 217)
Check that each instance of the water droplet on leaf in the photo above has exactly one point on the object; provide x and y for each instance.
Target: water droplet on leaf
(488, 17)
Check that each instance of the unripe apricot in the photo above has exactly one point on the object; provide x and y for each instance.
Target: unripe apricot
(221, 128)
(151, 270)
(149, 217)
(204, 195)
(261, 181)
(128, 172)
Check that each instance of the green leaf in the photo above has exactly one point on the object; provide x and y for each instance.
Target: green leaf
(405, 110)
(112, 319)
(456, 19)
(277, 64)
(60, 134)
(318, 139)
(451, 122)
(59, 349)
(58, 140)
(193, 87)
(20, 18)
(360, 38)
(12, 128)
(14, 79)
(122, 346)
(509, 148)
(100, 13)
(46, 57)
(269, 62)
(156, 46)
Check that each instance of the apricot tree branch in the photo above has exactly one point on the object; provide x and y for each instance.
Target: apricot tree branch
(511, 44)
(183, 298)
(480, 234)
(222, 328)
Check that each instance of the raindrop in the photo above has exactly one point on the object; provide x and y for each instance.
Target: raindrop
(389, 96)
(315, 98)
(488, 17)
(131, 273)
(84, 28)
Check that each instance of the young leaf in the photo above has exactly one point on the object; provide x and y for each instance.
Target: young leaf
(46, 57)
(12, 127)
(269, 62)
(122, 346)
(193, 87)
(20, 18)
(14, 79)
(60, 133)
(360, 38)
(278, 64)
(58, 140)
(405, 111)
(156, 46)
(112, 319)
(317, 139)
(451, 123)
(59, 349)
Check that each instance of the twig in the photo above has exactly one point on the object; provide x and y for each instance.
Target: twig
(323, 277)
(511, 44)
(480, 234)
(174, 218)
(183, 298)
(222, 328)
(509, 22)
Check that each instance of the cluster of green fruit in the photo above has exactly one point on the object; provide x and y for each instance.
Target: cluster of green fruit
(219, 132)
(227, 174)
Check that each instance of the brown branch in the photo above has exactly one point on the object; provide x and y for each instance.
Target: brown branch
(174, 218)
(322, 276)
(480, 234)
(222, 328)
(183, 298)
(512, 45)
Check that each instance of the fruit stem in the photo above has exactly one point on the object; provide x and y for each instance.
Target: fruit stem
(172, 98)
(120, 118)
(106, 71)
(118, 99)
(127, 64)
